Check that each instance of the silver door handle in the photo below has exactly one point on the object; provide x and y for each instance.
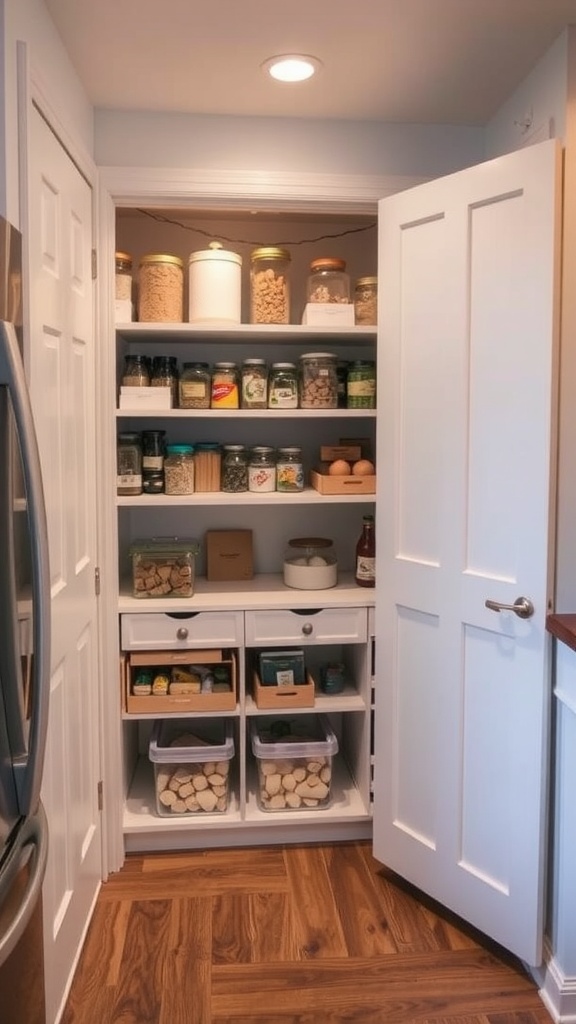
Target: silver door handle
(522, 607)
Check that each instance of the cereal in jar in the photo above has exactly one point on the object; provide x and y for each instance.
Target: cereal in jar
(269, 286)
(161, 281)
(318, 381)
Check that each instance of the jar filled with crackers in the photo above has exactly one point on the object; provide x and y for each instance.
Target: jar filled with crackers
(270, 286)
(161, 288)
(318, 381)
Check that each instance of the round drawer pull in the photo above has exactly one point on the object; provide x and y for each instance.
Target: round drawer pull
(307, 628)
(182, 633)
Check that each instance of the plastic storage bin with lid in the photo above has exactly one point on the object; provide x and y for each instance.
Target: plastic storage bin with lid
(192, 762)
(163, 567)
(294, 759)
(215, 286)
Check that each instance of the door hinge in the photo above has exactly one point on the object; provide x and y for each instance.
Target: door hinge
(100, 795)
(97, 581)
(94, 265)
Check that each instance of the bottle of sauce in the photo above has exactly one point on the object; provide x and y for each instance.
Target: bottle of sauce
(366, 554)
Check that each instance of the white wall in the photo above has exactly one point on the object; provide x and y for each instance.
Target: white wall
(540, 99)
(28, 22)
(124, 138)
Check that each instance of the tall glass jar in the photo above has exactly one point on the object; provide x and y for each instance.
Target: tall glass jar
(318, 381)
(165, 375)
(179, 469)
(234, 468)
(254, 387)
(328, 281)
(224, 392)
(123, 289)
(366, 301)
(129, 463)
(136, 372)
(270, 286)
(161, 280)
(153, 451)
(283, 386)
(194, 386)
(289, 469)
(207, 466)
(262, 469)
(361, 385)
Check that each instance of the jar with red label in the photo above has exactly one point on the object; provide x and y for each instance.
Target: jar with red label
(224, 387)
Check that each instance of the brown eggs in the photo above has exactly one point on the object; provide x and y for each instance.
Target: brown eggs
(363, 468)
(339, 468)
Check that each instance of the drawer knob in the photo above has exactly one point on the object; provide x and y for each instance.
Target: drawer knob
(307, 628)
(182, 633)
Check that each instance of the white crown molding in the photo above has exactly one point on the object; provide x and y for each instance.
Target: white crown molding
(271, 190)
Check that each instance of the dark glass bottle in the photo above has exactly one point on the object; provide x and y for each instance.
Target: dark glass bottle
(153, 451)
(366, 554)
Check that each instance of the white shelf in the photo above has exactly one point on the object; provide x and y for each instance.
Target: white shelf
(265, 333)
(324, 703)
(250, 414)
(308, 496)
(263, 591)
(140, 807)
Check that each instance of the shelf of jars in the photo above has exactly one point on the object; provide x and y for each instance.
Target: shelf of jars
(308, 496)
(260, 333)
(242, 414)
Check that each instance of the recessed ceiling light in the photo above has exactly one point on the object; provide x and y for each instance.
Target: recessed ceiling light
(292, 67)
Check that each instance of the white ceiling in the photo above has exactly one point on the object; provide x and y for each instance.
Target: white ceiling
(418, 61)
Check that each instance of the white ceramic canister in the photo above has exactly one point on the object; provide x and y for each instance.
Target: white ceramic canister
(215, 286)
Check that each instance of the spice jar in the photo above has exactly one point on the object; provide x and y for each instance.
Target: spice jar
(262, 470)
(318, 381)
(224, 386)
(129, 463)
(153, 449)
(270, 286)
(136, 372)
(194, 386)
(283, 387)
(215, 286)
(207, 465)
(161, 279)
(289, 470)
(361, 385)
(165, 375)
(328, 281)
(366, 301)
(179, 469)
(234, 468)
(254, 386)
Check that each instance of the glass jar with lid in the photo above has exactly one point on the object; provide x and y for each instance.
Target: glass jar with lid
(254, 387)
(283, 386)
(318, 381)
(328, 281)
(270, 286)
(234, 468)
(136, 372)
(129, 463)
(366, 301)
(161, 281)
(153, 451)
(289, 469)
(262, 469)
(194, 386)
(165, 375)
(224, 391)
(207, 466)
(361, 385)
(310, 563)
(123, 286)
(179, 469)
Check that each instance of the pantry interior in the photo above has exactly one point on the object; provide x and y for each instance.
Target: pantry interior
(239, 619)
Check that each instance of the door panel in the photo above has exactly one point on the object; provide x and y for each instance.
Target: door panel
(62, 376)
(466, 396)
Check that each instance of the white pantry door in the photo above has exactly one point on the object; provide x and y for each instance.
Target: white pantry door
(62, 380)
(467, 368)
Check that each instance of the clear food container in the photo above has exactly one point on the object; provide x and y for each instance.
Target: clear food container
(294, 758)
(328, 281)
(163, 567)
(310, 564)
(215, 286)
(192, 762)
(318, 381)
(161, 282)
(270, 286)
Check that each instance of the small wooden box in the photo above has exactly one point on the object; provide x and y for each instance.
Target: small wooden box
(178, 704)
(342, 484)
(278, 698)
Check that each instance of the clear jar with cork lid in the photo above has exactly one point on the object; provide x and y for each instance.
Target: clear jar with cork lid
(161, 280)
(328, 281)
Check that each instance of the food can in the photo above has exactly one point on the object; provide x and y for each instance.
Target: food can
(214, 286)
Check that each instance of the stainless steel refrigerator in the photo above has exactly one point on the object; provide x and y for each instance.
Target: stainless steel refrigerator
(24, 663)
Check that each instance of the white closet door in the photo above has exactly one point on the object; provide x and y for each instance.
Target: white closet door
(468, 267)
(62, 378)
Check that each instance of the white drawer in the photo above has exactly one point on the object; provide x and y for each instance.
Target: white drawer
(322, 626)
(157, 631)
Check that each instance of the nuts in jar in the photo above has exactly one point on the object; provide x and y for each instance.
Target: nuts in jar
(366, 301)
(328, 281)
(318, 381)
(269, 286)
(161, 279)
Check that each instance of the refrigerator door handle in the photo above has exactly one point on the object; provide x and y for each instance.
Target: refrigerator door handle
(32, 846)
(28, 764)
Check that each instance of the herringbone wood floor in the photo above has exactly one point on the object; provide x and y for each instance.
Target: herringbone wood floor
(286, 935)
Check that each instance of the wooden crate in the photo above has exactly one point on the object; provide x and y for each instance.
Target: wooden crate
(279, 698)
(178, 704)
(342, 484)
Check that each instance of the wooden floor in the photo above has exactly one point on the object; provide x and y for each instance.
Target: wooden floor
(285, 935)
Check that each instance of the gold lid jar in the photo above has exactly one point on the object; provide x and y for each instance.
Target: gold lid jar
(269, 285)
(366, 301)
(161, 279)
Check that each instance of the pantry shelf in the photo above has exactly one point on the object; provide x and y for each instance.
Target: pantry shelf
(240, 414)
(308, 496)
(264, 333)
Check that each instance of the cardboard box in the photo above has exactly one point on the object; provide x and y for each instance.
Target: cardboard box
(145, 399)
(177, 703)
(326, 484)
(279, 697)
(229, 555)
(328, 314)
(350, 452)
